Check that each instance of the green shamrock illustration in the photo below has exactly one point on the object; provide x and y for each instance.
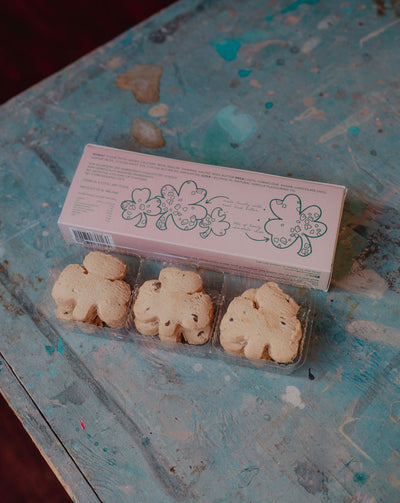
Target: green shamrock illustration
(293, 223)
(214, 223)
(182, 206)
(139, 206)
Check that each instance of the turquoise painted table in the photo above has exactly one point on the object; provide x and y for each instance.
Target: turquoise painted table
(305, 88)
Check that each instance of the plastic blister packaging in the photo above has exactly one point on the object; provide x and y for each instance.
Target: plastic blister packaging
(221, 287)
(234, 286)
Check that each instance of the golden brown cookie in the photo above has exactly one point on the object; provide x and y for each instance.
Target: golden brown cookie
(94, 292)
(175, 307)
(262, 324)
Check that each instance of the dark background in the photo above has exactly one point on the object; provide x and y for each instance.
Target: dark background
(38, 38)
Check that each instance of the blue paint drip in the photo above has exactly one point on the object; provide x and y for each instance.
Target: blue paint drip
(50, 349)
(244, 73)
(354, 130)
(227, 49)
(60, 347)
(295, 5)
(360, 478)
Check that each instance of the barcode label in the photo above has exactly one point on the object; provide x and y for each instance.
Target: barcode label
(95, 238)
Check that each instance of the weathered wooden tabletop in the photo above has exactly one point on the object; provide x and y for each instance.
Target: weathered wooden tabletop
(305, 88)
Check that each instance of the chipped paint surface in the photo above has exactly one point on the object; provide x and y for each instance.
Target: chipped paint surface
(303, 89)
(292, 395)
(375, 332)
(363, 282)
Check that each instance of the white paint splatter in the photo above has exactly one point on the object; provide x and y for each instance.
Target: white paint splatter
(310, 112)
(365, 282)
(394, 413)
(374, 34)
(114, 62)
(249, 50)
(128, 490)
(197, 367)
(394, 481)
(310, 45)
(333, 378)
(327, 22)
(341, 429)
(255, 83)
(361, 497)
(353, 120)
(376, 332)
(147, 133)
(292, 395)
(227, 378)
(159, 110)
(25, 229)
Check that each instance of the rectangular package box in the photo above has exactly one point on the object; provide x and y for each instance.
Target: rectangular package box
(236, 221)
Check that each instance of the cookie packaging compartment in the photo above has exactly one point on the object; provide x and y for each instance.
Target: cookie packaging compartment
(234, 286)
(220, 286)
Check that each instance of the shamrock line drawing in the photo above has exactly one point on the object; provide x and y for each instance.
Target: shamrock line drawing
(214, 223)
(186, 208)
(292, 224)
(182, 206)
(139, 206)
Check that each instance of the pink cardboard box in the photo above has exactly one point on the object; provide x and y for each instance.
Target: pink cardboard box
(240, 222)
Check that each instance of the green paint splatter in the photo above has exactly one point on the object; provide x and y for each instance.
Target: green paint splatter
(295, 5)
(244, 73)
(50, 349)
(360, 478)
(227, 48)
(354, 130)
(60, 347)
(269, 105)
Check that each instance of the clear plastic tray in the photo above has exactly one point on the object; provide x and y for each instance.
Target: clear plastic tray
(221, 287)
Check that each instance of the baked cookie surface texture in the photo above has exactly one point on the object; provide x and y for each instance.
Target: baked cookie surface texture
(93, 293)
(175, 307)
(262, 324)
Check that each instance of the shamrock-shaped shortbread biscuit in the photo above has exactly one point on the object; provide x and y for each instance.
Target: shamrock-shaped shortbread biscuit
(94, 293)
(262, 324)
(175, 307)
